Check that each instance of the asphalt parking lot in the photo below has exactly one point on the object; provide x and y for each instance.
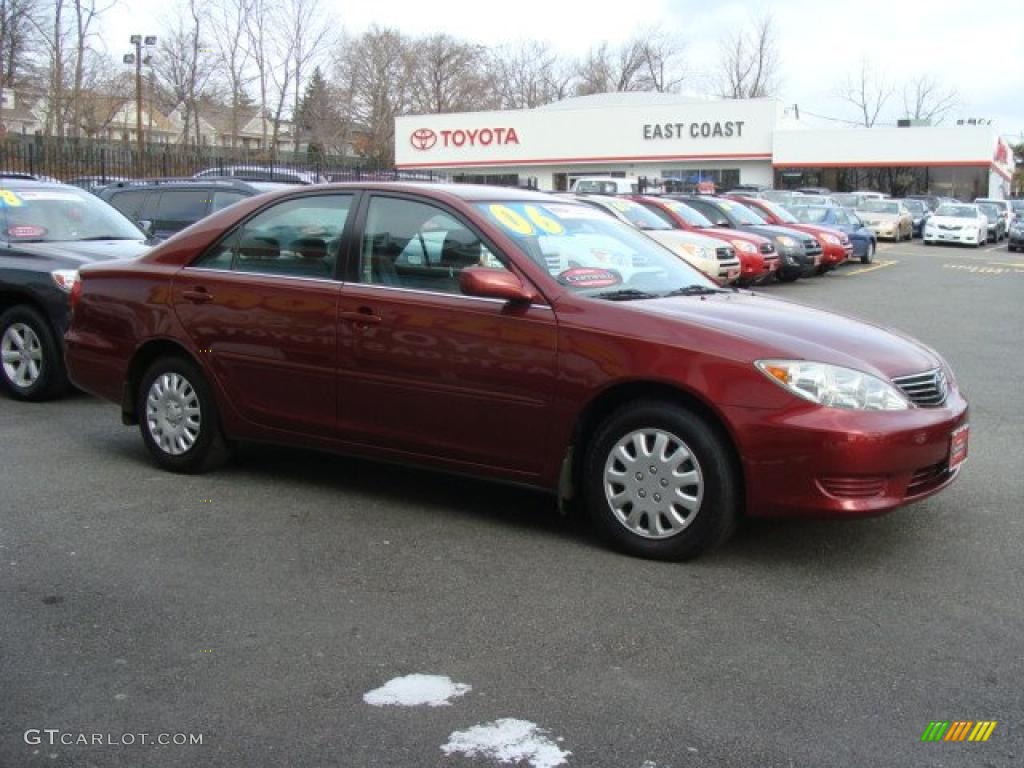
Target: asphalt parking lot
(257, 605)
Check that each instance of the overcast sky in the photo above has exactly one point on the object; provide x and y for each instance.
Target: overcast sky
(970, 46)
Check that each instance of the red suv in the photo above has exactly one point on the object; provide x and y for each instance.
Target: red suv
(835, 244)
(517, 336)
(758, 259)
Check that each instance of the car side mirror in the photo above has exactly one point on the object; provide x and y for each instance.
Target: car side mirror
(495, 284)
(146, 226)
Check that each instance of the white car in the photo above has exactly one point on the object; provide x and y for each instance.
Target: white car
(713, 257)
(956, 223)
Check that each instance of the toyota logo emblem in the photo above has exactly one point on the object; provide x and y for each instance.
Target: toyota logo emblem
(423, 138)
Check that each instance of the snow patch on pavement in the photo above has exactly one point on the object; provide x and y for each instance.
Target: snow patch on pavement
(508, 741)
(416, 691)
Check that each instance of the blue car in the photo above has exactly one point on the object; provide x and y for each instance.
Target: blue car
(862, 238)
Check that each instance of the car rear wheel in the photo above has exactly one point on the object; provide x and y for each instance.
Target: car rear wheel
(660, 483)
(869, 254)
(178, 417)
(32, 359)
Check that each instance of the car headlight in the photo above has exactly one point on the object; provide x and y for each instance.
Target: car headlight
(833, 386)
(830, 239)
(743, 245)
(789, 242)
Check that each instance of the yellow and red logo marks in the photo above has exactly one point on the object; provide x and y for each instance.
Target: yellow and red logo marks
(959, 730)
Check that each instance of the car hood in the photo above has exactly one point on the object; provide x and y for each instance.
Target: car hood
(953, 221)
(780, 329)
(872, 217)
(816, 231)
(78, 252)
(776, 230)
(676, 237)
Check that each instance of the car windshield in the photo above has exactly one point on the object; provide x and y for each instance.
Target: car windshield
(51, 214)
(691, 216)
(639, 216)
(958, 211)
(779, 212)
(915, 206)
(810, 214)
(741, 213)
(990, 211)
(847, 200)
(879, 206)
(591, 252)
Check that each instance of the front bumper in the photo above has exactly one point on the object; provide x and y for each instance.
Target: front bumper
(951, 236)
(833, 255)
(828, 462)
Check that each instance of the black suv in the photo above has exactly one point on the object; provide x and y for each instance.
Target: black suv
(163, 207)
(47, 231)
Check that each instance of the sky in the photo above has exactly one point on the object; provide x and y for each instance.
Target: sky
(971, 47)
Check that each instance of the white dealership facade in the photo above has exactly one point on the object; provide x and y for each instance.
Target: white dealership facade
(691, 142)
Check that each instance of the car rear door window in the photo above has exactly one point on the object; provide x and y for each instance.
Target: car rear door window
(178, 208)
(129, 202)
(408, 244)
(295, 238)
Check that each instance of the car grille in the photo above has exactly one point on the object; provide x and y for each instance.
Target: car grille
(767, 248)
(725, 253)
(812, 247)
(951, 227)
(928, 389)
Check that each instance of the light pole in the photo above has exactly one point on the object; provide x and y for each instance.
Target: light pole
(136, 58)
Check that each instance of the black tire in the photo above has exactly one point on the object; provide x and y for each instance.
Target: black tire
(208, 448)
(869, 254)
(787, 275)
(51, 378)
(716, 515)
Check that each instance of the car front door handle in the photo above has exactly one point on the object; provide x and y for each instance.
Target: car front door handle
(363, 316)
(197, 296)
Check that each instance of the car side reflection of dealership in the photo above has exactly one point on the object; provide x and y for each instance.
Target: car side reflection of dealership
(696, 142)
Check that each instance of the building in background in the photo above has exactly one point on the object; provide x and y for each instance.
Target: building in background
(669, 141)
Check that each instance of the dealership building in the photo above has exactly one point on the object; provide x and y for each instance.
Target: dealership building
(691, 144)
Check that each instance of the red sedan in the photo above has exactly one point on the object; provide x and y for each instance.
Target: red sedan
(835, 244)
(520, 337)
(758, 259)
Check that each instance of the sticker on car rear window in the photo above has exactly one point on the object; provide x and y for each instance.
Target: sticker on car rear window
(588, 277)
(48, 194)
(7, 197)
(26, 230)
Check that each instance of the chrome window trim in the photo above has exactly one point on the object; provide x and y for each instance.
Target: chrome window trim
(265, 274)
(441, 293)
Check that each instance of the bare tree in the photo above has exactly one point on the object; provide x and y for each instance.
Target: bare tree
(374, 79)
(651, 61)
(447, 75)
(308, 26)
(85, 14)
(185, 64)
(528, 75)
(924, 98)
(749, 61)
(227, 21)
(258, 25)
(16, 31)
(868, 91)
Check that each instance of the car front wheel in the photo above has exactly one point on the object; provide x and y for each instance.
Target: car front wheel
(32, 358)
(660, 483)
(869, 254)
(178, 417)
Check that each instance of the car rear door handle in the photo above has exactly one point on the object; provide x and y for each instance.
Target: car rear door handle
(197, 296)
(364, 316)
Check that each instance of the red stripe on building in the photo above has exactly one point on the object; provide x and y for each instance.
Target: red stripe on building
(556, 160)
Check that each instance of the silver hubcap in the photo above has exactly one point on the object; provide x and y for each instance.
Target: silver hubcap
(653, 483)
(172, 413)
(22, 355)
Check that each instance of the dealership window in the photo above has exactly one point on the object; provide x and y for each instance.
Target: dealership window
(690, 179)
(964, 182)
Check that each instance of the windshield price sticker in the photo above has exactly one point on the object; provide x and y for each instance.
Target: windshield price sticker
(534, 220)
(26, 230)
(9, 198)
(587, 277)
